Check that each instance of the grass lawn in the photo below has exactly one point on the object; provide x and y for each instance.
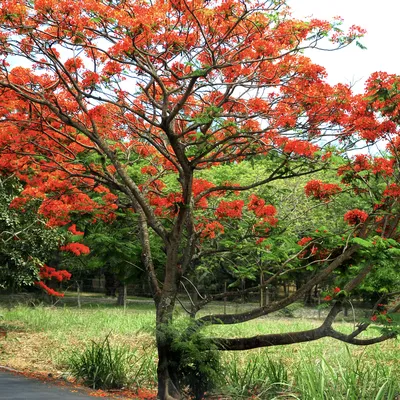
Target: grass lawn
(42, 339)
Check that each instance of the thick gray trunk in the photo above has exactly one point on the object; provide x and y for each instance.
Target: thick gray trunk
(168, 385)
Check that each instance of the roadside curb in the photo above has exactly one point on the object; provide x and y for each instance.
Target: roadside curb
(4, 368)
(65, 384)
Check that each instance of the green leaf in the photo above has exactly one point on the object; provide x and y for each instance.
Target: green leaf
(360, 45)
(394, 251)
(362, 242)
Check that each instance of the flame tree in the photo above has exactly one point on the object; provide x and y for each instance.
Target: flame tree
(94, 89)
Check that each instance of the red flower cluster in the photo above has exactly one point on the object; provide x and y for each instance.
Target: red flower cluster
(335, 291)
(304, 241)
(383, 166)
(47, 272)
(76, 248)
(74, 231)
(166, 206)
(355, 217)
(149, 169)
(200, 186)
(320, 190)
(49, 291)
(361, 163)
(392, 191)
(260, 208)
(90, 79)
(210, 230)
(300, 147)
(230, 209)
(382, 314)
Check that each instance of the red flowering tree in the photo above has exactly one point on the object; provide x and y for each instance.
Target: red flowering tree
(127, 103)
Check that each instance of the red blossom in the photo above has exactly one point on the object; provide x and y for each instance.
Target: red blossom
(74, 231)
(336, 290)
(320, 190)
(314, 250)
(149, 169)
(300, 147)
(259, 207)
(48, 290)
(304, 241)
(361, 163)
(76, 248)
(49, 273)
(200, 186)
(355, 217)
(392, 190)
(90, 79)
(383, 166)
(328, 298)
(210, 230)
(230, 209)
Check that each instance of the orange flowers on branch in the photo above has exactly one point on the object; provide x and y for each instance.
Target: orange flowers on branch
(49, 273)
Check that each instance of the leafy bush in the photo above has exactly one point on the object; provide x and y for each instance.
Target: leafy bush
(102, 367)
(197, 362)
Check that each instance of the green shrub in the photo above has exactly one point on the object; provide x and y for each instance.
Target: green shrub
(102, 367)
(197, 364)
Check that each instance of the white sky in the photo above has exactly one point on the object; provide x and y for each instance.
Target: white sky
(380, 19)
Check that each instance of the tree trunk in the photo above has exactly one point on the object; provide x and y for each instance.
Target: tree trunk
(308, 297)
(121, 300)
(168, 384)
(110, 283)
(225, 299)
(262, 290)
(78, 290)
(285, 291)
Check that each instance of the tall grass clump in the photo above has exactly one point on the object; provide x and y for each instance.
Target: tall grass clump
(259, 376)
(101, 366)
(349, 379)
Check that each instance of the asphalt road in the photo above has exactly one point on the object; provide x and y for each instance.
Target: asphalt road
(17, 387)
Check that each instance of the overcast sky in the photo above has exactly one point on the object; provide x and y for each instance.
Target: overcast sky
(380, 19)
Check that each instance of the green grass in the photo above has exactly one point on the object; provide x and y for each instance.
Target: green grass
(43, 338)
(102, 366)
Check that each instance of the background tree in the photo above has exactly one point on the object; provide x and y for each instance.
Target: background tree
(25, 241)
(178, 87)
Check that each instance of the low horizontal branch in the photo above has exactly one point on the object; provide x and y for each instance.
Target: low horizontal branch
(275, 339)
(279, 339)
